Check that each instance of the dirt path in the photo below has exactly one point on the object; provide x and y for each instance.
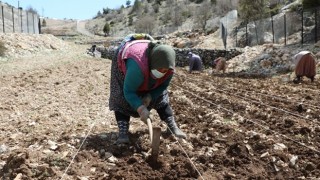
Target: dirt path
(238, 128)
(81, 27)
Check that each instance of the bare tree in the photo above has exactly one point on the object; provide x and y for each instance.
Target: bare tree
(253, 11)
(203, 14)
(31, 10)
(177, 18)
(224, 6)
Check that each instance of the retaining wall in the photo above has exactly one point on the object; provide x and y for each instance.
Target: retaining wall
(14, 20)
(207, 55)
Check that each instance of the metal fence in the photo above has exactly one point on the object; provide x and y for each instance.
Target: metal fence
(14, 20)
(285, 28)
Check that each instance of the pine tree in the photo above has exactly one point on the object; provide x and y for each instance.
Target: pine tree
(106, 29)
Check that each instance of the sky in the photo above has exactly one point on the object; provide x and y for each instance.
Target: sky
(69, 9)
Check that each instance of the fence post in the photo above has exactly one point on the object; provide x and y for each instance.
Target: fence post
(13, 21)
(246, 33)
(285, 29)
(34, 30)
(39, 25)
(316, 25)
(272, 29)
(20, 10)
(236, 36)
(302, 27)
(27, 21)
(3, 30)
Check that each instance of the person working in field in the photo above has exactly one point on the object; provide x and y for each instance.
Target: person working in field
(305, 65)
(141, 72)
(195, 62)
(219, 64)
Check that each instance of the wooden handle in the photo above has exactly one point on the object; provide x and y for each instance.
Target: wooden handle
(155, 143)
(155, 133)
(150, 129)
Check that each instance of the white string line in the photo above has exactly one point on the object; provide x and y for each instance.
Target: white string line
(194, 166)
(265, 127)
(84, 140)
(307, 89)
(288, 112)
(296, 115)
(314, 108)
(78, 150)
(283, 110)
(302, 88)
(285, 136)
(278, 97)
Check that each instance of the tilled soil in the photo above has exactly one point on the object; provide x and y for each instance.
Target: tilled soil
(55, 124)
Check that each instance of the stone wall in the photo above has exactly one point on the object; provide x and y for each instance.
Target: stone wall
(207, 55)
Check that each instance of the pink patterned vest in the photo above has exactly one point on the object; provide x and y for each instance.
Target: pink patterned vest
(136, 50)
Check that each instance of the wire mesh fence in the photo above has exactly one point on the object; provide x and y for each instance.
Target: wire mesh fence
(16, 20)
(285, 28)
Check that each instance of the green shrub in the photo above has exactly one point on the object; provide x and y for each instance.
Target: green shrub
(186, 14)
(130, 21)
(295, 7)
(44, 23)
(275, 10)
(106, 29)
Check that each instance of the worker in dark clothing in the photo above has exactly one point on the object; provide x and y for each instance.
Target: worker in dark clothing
(195, 62)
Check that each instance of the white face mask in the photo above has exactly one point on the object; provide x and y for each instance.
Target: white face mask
(157, 74)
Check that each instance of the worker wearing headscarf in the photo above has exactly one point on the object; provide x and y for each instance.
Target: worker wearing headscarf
(195, 62)
(140, 75)
(305, 65)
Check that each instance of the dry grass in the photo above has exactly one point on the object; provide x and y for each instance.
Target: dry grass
(3, 49)
(60, 27)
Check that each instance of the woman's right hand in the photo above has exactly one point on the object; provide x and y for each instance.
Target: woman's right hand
(143, 113)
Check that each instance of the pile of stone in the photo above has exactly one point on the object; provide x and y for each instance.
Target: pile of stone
(18, 45)
(268, 59)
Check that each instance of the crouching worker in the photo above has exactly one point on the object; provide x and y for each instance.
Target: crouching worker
(305, 65)
(195, 62)
(92, 50)
(220, 64)
(141, 72)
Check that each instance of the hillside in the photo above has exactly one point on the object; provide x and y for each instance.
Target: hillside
(193, 25)
(161, 18)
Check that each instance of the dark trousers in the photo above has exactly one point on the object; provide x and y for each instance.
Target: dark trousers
(163, 112)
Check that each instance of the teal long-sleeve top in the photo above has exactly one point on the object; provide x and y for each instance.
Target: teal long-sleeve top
(134, 79)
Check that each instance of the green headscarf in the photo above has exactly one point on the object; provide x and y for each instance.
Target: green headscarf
(162, 56)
